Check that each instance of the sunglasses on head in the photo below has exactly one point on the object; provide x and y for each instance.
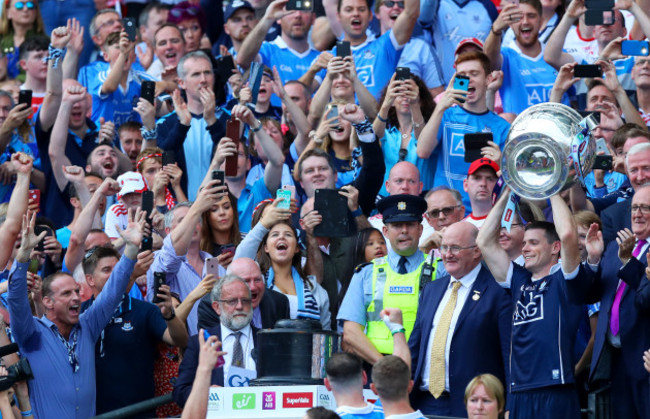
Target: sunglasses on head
(178, 13)
(29, 4)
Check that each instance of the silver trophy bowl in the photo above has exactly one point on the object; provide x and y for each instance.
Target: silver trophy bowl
(536, 160)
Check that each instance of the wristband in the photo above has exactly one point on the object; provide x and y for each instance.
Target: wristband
(393, 327)
(170, 317)
(259, 126)
(363, 126)
(385, 121)
(55, 55)
(27, 413)
(496, 33)
(149, 134)
(357, 212)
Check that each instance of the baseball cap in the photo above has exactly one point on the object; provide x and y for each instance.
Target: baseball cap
(233, 7)
(468, 41)
(482, 162)
(130, 182)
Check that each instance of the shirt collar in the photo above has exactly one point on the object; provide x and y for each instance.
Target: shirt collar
(468, 280)
(226, 332)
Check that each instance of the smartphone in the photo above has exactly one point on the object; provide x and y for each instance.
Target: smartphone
(461, 83)
(33, 266)
(255, 80)
(285, 196)
(218, 175)
(304, 5)
(25, 96)
(403, 73)
(35, 196)
(603, 163)
(343, 49)
(130, 28)
(220, 361)
(474, 142)
(146, 244)
(599, 4)
(599, 17)
(168, 157)
(639, 48)
(147, 203)
(232, 132)
(212, 266)
(38, 229)
(159, 278)
(601, 147)
(225, 67)
(148, 91)
(587, 70)
(332, 111)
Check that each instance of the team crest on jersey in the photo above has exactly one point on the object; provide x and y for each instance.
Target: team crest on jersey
(368, 55)
(530, 308)
(127, 326)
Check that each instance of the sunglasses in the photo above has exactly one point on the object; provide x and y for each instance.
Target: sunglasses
(19, 5)
(389, 4)
(180, 12)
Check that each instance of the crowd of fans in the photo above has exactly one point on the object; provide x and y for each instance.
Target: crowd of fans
(176, 176)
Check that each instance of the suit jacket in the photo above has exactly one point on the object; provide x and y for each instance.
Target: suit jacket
(616, 218)
(634, 311)
(273, 307)
(187, 369)
(481, 341)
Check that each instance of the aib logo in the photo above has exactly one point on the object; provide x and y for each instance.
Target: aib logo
(268, 400)
(244, 401)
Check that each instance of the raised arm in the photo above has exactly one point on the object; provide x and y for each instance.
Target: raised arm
(553, 53)
(406, 21)
(392, 92)
(297, 115)
(54, 82)
(75, 46)
(251, 45)
(116, 71)
(508, 15)
(641, 28)
(366, 100)
(17, 206)
(630, 112)
(494, 256)
(176, 332)
(564, 80)
(429, 135)
(59, 137)
(567, 229)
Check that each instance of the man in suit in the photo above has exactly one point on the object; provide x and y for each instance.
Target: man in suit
(617, 216)
(231, 299)
(464, 311)
(621, 285)
(268, 306)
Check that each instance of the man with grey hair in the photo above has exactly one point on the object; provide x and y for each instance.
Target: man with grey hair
(181, 258)
(102, 24)
(269, 306)
(192, 129)
(232, 300)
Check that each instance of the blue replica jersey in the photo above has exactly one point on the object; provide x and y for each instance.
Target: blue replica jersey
(369, 411)
(544, 327)
(525, 74)
(376, 61)
(117, 106)
(613, 182)
(451, 168)
(453, 21)
(290, 63)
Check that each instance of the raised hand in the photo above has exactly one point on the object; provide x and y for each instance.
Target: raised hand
(22, 163)
(351, 112)
(109, 187)
(17, 116)
(60, 36)
(74, 94)
(625, 239)
(106, 130)
(76, 30)
(74, 174)
(180, 107)
(28, 239)
(134, 229)
(352, 194)
(594, 244)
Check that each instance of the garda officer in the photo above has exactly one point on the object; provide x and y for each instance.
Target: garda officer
(391, 281)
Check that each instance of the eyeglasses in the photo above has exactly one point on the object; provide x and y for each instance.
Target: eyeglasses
(645, 209)
(453, 249)
(389, 4)
(19, 5)
(233, 302)
(256, 281)
(109, 22)
(180, 12)
(446, 211)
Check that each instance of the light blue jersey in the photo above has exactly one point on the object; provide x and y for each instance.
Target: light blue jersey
(448, 22)
(376, 61)
(369, 411)
(419, 56)
(451, 168)
(613, 182)
(291, 64)
(390, 146)
(117, 106)
(531, 75)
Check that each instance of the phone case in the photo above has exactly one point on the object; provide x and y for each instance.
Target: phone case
(148, 91)
(232, 132)
(285, 195)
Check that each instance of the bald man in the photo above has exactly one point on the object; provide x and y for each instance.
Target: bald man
(268, 306)
(481, 318)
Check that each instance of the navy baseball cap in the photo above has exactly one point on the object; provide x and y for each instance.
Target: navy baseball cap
(234, 6)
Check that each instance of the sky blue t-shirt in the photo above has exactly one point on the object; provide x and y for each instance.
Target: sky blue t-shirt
(117, 106)
(291, 64)
(527, 81)
(451, 168)
(390, 146)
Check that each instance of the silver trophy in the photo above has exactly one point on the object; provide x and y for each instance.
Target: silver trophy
(538, 158)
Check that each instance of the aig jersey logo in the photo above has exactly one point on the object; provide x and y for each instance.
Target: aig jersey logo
(530, 308)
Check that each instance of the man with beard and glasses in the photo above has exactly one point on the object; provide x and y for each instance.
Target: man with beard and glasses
(523, 65)
(232, 300)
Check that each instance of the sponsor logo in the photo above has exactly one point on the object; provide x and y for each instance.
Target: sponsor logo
(400, 289)
(529, 308)
(243, 401)
(268, 401)
(214, 402)
(324, 400)
(291, 400)
(127, 326)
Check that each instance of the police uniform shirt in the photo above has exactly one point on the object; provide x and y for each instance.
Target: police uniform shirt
(467, 282)
(359, 294)
(247, 343)
(544, 327)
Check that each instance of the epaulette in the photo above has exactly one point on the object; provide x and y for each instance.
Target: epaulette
(360, 267)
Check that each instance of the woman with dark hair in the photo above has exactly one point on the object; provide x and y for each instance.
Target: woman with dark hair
(20, 20)
(281, 262)
(220, 230)
(405, 107)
